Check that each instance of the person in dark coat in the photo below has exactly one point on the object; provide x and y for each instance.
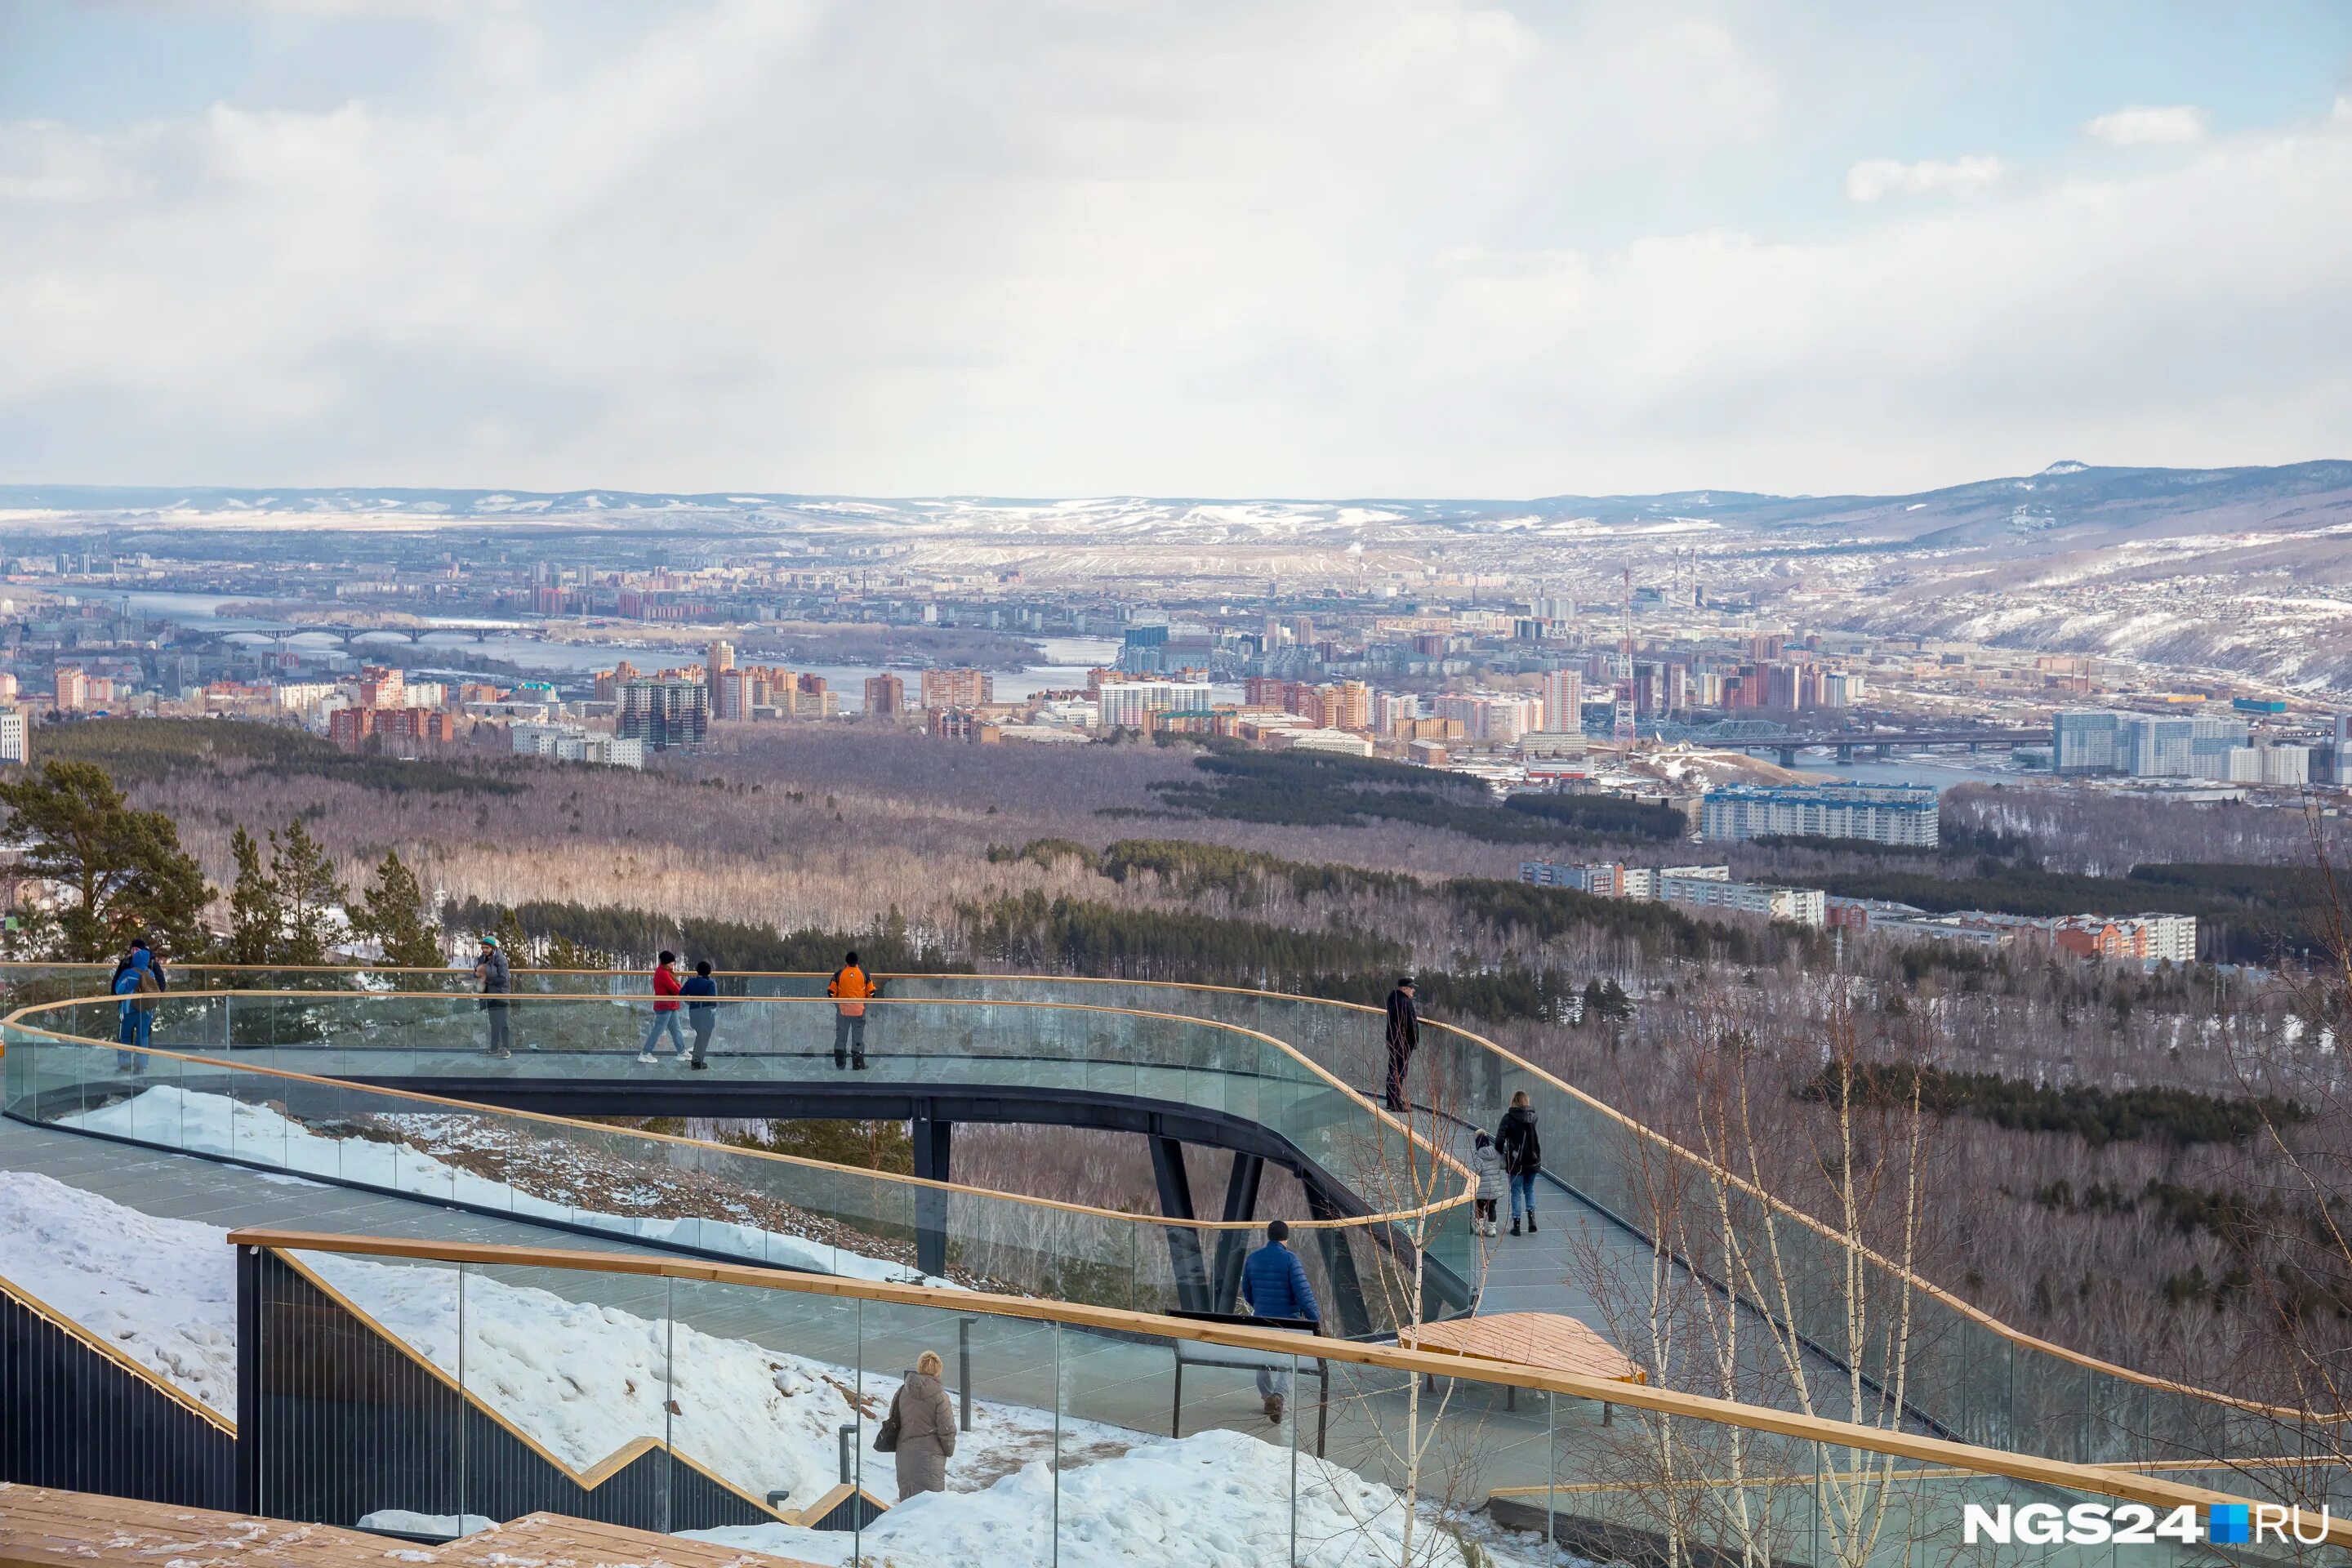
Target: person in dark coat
(495, 973)
(1274, 1285)
(1404, 1038)
(927, 1428)
(1522, 1153)
(702, 1012)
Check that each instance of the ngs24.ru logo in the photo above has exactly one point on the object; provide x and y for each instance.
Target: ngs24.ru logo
(2136, 1524)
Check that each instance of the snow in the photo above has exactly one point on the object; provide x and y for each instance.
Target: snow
(162, 1291)
(583, 1380)
(218, 1124)
(408, 1523)
(1215, 1500)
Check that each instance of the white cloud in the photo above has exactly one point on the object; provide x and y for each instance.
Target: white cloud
(1875, 177)
(940, 249)
(2138, 127)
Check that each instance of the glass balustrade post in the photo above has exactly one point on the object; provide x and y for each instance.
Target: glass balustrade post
(465, 1468)
(1059, 1401)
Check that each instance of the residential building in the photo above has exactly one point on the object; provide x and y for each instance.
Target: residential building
(1563, 702)
(958, 689)
(663, 712)
(73, 689)
(1125, 704)
(2147, 936)
(577, 744)
(886, 695)
(1805, 906)
(1880, 814)
(13, 737)
(2088, 742)
(352, 728)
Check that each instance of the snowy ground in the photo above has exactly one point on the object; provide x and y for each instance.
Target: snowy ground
(583, 1380)
(1216, 1500)
(162, 1291)
(219, 1124)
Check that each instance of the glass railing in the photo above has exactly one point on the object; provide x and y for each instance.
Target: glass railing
(381, 1091)
(1962, 1375)
(405, 1384)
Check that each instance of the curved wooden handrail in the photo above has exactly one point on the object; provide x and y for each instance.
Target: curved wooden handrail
(1514, 1062)
(16, 1020)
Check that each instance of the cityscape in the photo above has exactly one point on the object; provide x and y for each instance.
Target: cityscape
(1512, 786)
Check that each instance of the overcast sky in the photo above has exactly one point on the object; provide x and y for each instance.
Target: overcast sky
(1225, 247)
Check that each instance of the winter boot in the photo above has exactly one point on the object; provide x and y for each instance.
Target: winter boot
(1531, 1221)
(1273, 1408)
(1515, 1225)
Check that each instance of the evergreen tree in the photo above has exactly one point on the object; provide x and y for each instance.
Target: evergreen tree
(392, 911)
(255, 916)
(124, 871)
(1595, 1003)
(309, 895)
(563, 952)
(509, 932)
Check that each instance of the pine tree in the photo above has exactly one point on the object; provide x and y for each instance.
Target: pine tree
(124, 871)
(256, 915)
(563, 952)
(392, 911)
(510, 936)
(310, 894)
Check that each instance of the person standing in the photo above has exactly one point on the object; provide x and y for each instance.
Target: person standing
(700, 1011)
(1522, 1153)
(1487, 1162)
(494, 970)
(1274, 1285)
(138, 979)
(666, 994)
(1404, 1038)
(850, 988)
(920, 1430)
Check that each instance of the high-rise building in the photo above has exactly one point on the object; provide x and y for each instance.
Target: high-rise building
(381, 685)
(73, 689)
(13, 736)
(886, 695)
(1563, 700)
(958, 689)
(666, 713)
(2088, 742)
(1125, 704)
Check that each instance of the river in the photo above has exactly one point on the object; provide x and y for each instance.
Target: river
(1066, 661)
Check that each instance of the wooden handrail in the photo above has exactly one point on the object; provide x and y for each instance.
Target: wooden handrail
(1514, 1062)
(1850, 1435)
(16, 1020)
(115, 1353)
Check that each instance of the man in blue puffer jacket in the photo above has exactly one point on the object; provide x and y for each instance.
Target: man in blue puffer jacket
(1274, 1285)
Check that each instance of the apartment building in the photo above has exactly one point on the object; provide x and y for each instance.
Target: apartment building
(1877, 814)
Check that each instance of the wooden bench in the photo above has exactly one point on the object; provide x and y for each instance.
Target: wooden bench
(42, 1529)
(1545, 1339)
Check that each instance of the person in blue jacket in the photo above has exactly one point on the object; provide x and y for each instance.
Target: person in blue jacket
(1274, 1285)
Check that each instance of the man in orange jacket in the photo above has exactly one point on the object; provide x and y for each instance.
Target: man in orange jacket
(850, 988)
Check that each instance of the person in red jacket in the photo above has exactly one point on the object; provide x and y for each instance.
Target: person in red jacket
(666, 990)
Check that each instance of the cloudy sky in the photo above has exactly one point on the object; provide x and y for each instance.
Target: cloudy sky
(1299, 247)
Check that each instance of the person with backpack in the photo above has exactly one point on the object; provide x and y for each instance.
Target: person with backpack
(1486, 1161)
(495, 971)
(1274, 1285)
(139, 980)
(666, 994)
(700, 1011)
(850, 988)
(1522, 1153)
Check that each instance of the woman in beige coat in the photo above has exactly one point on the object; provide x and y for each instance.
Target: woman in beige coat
(927, 1428)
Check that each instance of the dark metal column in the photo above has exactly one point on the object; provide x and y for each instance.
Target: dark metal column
(249, 1405)
(1339, 1264)
(1233, 1246)
(934, 1141)
(1183, 1241)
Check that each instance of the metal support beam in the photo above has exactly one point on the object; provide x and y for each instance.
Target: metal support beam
(1233, 1246)
(1338, 1266)
(249, 1361)
(934, 1141)
(1183, 1241)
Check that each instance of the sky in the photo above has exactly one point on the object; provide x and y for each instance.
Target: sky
(1215, 247)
